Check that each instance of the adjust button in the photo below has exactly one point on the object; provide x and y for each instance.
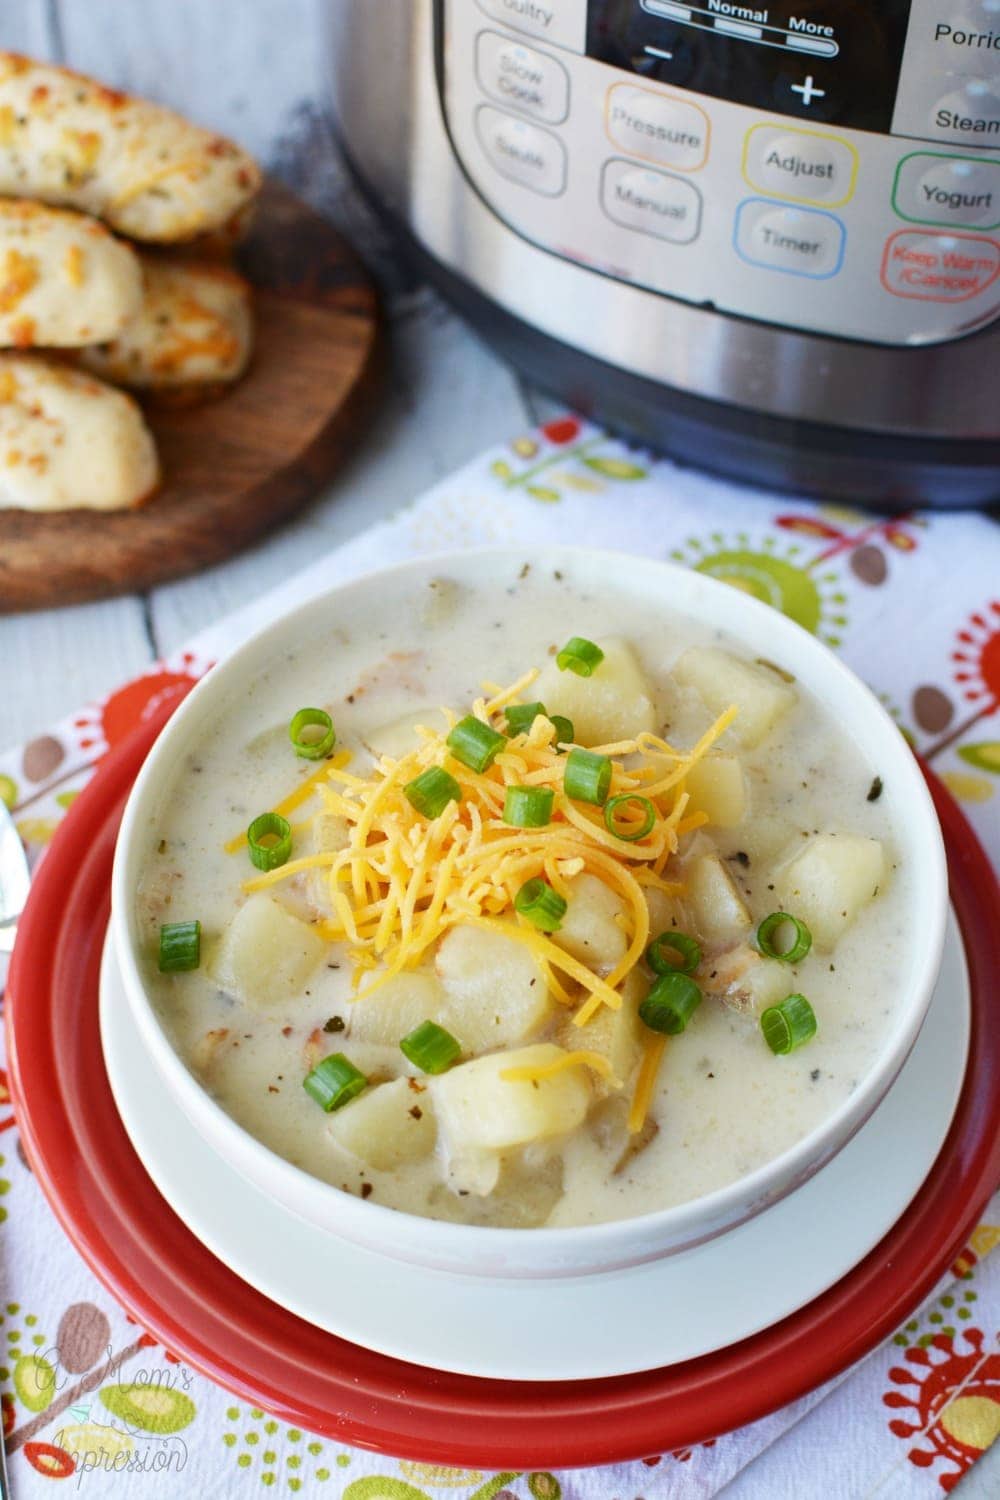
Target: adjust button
(651, 202)
(525, 153)
(939, 267)
(802, 165)
(801, 241)
(522, 78)
(960, 191)
(561, 22)
(660, 127)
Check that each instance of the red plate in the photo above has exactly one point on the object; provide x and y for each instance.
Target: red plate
(195, 1305)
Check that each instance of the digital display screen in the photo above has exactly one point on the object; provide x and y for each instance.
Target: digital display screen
(833, 61)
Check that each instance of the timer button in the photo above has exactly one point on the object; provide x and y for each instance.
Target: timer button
(801, 241)
(651, 202)
(659, 127)
(522, 78)
(525, 153)
(561, 22)
(939, 267)
(960, 191)
(802, 165)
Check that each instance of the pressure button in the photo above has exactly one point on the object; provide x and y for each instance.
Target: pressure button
(659, 127)
(803, 166)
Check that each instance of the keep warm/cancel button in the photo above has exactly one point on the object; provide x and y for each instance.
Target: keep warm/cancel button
(939, 267)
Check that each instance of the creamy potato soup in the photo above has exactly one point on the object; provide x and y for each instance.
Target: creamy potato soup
(558, 912)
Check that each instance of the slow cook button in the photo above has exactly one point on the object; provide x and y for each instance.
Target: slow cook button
(561, 22)
(525, 153)
(658, 126)
(800, 164)
(522, 78)
(939, 267)
(963, 191)
(651, 202)
(802, 241)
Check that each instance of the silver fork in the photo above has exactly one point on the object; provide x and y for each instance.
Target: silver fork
(14, 882)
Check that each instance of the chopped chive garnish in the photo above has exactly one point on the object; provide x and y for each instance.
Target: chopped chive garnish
(788, 1025)
(543, 907)
(312, 733)
(431, 1048)
(629, 831)
(521, 716)
(771, 930)
(580, 656)
(180, 947)
(670, 1004)
(474, 743)
(432, 790)
(528, 806)
(673, 953)
(334, 1082)
(269, 841)
(565, 733)
(587, 777)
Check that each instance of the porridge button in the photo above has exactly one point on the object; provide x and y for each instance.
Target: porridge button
(801, 241)
(525, 153)
(659, 127)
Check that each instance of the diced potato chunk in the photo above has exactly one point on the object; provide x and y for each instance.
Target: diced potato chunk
(716, 786)
(495, 991)
(720, 914)
(746, 981)
(666, 913)
(480, 1110)
(399, 737)
(388, 1126)
(721, 680)
(613, 704)
(266, 955)
(590, 929)
(830, 881)
(396, 1008)
(615, 1034)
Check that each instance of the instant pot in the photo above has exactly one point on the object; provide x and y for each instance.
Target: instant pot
(761, 237)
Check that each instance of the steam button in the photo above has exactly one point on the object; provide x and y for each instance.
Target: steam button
(525, 153)
(970, 114)
(800, 241)
(522, 78)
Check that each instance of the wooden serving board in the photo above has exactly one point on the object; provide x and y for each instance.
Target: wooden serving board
(240, 464)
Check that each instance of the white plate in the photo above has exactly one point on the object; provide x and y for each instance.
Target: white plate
(586, 1327)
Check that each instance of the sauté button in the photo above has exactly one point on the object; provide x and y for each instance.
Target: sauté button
(660, 127)
(939, 267)
(799, 164)
(802, 241)
(522, 78)
(963, 191)
(561, 22)
(525, 153)
(651, 202)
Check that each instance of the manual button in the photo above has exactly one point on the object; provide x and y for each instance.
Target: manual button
(959, 191)
(651, 202)
(802, 165)
(660, 127)
(525, 153)
(802, 241)
(522, 78)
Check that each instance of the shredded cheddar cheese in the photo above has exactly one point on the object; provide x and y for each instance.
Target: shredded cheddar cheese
(581, 1059)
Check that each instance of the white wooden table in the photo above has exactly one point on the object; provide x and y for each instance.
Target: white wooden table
(254, 69)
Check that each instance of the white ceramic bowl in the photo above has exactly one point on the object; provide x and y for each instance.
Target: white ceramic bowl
(593, 1248)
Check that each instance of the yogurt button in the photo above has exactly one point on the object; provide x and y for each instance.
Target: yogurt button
(522, 78)
(651, 202)
(561, 22)
(948, 190)
(798, 240)
(800, 164)
(525, 153)
(658, 126)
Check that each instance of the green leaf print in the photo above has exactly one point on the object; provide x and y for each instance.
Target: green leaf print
(382, 1487)
(985, 757)
(151, 1408)
(542, 492)
(34, 1382)
(614, 468)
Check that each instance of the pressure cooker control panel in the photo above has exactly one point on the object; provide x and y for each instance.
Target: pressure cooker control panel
(831, 165)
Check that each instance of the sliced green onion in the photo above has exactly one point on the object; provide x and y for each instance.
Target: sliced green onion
(528, 806)
(565, 733)
(432, 790)
(269, 841)
(771, 927)
(334, 1082)
(587, 777)
(180, 947)
(474, 743)
(312, 745)
(543, 907)
(521, 716)
(664, 951)
(670, 1004)
(580, 656)
(431, 1048)
(788, 1025)
(629, 831)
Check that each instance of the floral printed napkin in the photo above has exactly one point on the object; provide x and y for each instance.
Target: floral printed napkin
(912, 602)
